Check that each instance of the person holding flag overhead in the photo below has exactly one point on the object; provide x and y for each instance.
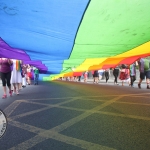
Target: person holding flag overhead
(16, 78)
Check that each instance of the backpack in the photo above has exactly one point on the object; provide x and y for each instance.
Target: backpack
(124, 75)
(146, 64)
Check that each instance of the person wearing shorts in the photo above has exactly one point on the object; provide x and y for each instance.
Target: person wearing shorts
(95, 76)
(144, 68)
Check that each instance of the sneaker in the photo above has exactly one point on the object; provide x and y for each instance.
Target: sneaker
(10, 93)
(4, 96)
(139, 85)
(17, 92)
(148, 87)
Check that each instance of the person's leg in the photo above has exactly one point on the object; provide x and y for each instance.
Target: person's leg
(96, 80)
(76, 78)
(132, 78)
(116, 76)
(24, 82)
(147, 81)
(140, 81)
(37, 79)
(8, 77)
(139, 84)
(129, 81)
(5, 92)
(3, 78)
(18, 87)
(79, 79)
(100, 77)
(14, 87)
(85, 79)
(147, 78)
(26, 79)
(107, 76)
(115, 79)
(142, 77)
(29, 80)
(93, 79)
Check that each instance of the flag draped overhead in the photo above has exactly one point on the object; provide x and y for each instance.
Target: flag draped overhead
(58, 35)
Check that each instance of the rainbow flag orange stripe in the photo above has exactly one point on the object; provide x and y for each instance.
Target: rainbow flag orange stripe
(18, 67)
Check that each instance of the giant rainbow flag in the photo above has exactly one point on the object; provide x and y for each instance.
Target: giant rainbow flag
(63, 37)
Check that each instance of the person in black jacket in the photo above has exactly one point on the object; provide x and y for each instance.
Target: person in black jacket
(96, 76)
(116, 74)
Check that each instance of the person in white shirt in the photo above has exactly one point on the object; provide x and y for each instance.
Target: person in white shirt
(101, 71)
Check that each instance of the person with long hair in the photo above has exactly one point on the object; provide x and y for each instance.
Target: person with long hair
(5, 71)
(16, 78)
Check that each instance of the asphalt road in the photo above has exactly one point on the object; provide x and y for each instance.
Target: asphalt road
(63, 115)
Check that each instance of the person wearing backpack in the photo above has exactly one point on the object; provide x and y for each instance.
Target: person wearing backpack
(144, 68)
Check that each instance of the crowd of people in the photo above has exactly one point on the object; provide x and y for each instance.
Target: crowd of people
(16, 75)
(124, 72)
